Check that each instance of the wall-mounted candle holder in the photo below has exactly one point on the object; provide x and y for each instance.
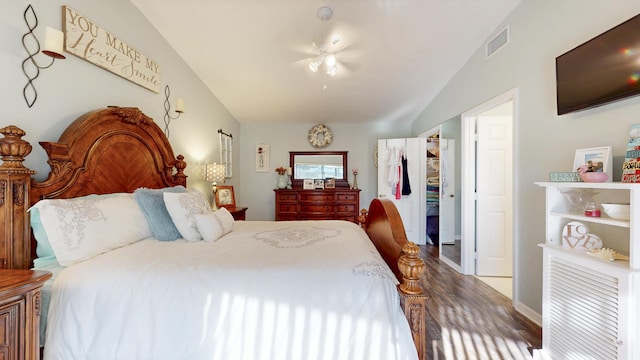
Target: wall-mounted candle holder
(53, 47)
(167, 109)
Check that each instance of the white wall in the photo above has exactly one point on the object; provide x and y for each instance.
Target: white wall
(74, 86)
(256, 189)
(544, 142)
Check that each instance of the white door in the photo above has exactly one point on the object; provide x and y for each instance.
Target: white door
(447, 210)
(412, 208)
(494, 196)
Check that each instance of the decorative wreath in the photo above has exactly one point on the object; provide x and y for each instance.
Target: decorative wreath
(320, 136)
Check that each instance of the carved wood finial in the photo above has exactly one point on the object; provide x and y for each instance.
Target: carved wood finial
(12, 148)
(180, 165)
(411, 267)
(362, 219)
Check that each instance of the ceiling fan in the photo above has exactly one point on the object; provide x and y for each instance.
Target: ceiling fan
(325, 57)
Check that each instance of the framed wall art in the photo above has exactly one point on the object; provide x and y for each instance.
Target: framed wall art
(262, 158)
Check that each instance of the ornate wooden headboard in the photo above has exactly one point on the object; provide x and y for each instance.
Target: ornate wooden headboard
(104, 151)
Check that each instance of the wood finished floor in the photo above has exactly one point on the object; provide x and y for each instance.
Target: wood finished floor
(467, 319)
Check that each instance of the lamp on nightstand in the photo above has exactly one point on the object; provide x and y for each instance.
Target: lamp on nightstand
(215, 173)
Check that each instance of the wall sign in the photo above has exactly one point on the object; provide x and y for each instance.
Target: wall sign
(86, 40)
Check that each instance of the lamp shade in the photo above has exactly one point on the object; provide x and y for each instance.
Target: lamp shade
(215, 173)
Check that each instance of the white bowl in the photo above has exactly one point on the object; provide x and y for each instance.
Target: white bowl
(616, 211)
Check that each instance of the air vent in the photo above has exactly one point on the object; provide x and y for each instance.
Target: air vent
(498, 41)
(583, 312)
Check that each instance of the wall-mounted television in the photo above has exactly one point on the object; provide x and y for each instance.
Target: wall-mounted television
(603, 69)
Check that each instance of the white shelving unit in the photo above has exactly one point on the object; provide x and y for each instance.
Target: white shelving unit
(591, 307)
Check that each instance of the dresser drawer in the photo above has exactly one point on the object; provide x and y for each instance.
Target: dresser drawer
(317, 217)
(346, 208)
(288, 197)
(10, 328)
(317, 196)
(316, 208)
(288, 208)
(286, 217)
(340, 197)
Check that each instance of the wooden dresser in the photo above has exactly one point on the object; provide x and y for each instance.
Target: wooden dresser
(20, 313)
(327, 204)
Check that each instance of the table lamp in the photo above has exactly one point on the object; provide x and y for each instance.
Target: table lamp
(215, 173)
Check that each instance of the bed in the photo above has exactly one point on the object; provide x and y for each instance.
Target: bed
(250, 290)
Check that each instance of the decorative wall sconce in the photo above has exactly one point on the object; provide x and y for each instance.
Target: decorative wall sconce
(167, 109)
(53, 47)
(214, 173)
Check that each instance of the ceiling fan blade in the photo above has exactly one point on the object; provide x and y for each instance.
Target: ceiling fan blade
(349, 67)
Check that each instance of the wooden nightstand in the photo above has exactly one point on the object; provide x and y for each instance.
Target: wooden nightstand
(239, 213)
(20, 313)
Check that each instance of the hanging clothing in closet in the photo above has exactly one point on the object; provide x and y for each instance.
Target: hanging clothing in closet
(401, 169)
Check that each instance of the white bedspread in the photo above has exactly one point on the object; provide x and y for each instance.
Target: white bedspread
(267, 290)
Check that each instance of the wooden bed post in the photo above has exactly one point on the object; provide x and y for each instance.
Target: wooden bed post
(383, 224)
(413, 298)
(15, 184)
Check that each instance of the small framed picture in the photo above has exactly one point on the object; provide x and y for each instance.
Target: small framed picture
(307, 184)
(330, 183)
(599, 159)
(225, 196)
(318, 184)
(262, 158)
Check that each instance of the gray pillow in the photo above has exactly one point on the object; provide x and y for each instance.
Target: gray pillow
(151, 202)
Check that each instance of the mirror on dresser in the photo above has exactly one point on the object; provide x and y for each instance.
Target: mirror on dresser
(318, 165)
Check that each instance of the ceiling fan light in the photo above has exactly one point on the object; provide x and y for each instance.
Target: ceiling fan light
(313, 66)
(332, 70)
(330, 60)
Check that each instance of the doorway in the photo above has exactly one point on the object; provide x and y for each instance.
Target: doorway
(487, 189)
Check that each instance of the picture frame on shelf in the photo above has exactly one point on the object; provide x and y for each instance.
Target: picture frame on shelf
(308, 184)
(318, 184)
(225, 197)
(598, 159)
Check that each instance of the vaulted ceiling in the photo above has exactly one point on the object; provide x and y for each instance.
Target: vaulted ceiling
(393, 56)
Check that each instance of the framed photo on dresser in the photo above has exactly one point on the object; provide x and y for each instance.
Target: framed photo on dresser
(330, 183)
(308, 184)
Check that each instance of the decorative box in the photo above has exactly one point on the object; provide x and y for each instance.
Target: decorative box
(564, 177)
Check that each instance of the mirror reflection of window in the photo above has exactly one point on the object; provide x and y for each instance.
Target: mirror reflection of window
(318, 171)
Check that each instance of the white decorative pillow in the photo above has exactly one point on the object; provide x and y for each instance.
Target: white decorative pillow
(214, 224)
(84, 227)
(183, 208)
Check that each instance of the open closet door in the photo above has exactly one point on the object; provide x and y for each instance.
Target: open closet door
(447, 191)
(412, 206)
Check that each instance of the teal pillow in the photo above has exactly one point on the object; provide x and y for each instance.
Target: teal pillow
(43, 248)
(151, 202)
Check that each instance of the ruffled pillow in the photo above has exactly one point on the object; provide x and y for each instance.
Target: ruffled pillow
(183, 208)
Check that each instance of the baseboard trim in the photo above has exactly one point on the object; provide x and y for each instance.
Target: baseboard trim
(530, 314)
